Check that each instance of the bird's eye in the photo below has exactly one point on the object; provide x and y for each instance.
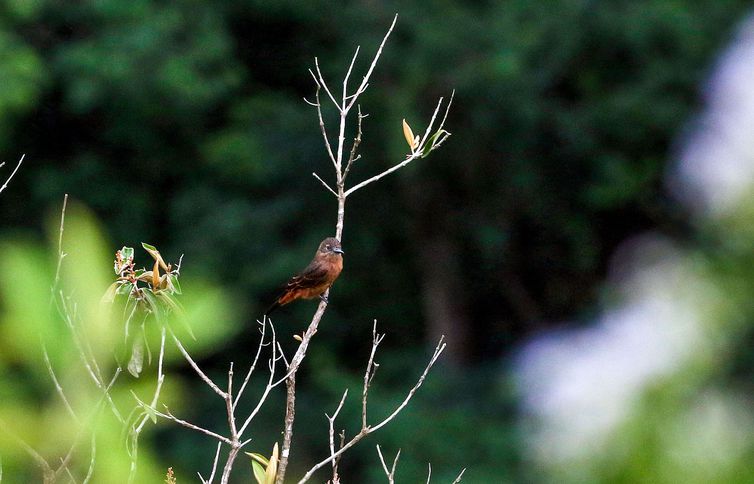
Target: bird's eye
(327, 247)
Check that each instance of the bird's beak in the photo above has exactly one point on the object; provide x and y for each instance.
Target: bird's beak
(338, 250)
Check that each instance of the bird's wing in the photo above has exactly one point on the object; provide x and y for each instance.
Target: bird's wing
(313, 275)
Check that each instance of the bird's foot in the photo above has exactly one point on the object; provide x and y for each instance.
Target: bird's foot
(324, 298)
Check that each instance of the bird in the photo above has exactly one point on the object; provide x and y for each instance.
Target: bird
(316, 278)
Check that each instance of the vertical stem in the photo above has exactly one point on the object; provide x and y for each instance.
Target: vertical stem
(341, 215)
(229, 464)
(290, 414)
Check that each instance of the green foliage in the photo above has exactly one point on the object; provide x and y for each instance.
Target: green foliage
(60, 331)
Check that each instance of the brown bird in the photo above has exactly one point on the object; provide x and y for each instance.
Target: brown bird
(318, 276)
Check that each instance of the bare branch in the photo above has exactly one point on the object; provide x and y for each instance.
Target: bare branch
(169, 416)
(322, 127)
(403, 163)
(429, 472)
(214, 463)
(354, 148)
(254, 363)
(432, 122)
(370, 429)
(61, 255)
(58, 387)
(229, 404)
(321, 80)
(90, 471)
(325, 184)
(160, 380)
(196, 368)
(369, 373)
(458, 479)
(5, 185)
(438, 351)
(365, 80)
(348, 74)
(389, 473)
(382, 461)
(331, 434)
(270, 385)
(36, 456)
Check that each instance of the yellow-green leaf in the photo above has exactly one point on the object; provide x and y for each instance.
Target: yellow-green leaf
(272, 467)
(156, 276)
(408, 134)
(259, 458)
(259, 474)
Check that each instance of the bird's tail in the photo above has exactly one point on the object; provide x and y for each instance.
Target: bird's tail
(273, 307)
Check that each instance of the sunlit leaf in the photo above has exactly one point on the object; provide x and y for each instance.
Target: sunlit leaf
(156, 276)
(408, 134)
(259, 458)
(272, 467)
(155, 255)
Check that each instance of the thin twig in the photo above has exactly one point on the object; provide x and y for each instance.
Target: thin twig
(58, 387)
(331, 434)
(5, 185)
(90, 471)
(369, 373)
(61, 254)
(36, 456)
(389, 473)
(352, 157)
(348, 74)
(270, 385)
(196, 368)
(214, 465)
(458, 479)
(366, 182)
(254, 363)
(324, 183)
(370, 429)
(169, 416)
(365, 80)
(324, 84)
(322, 127)
(160, 380)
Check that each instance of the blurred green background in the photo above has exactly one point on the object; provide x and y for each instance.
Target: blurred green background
(183, 124)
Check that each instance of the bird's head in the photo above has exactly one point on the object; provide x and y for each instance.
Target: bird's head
(330, 245)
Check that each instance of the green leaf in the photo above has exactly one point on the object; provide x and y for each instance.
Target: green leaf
(171, 302)
(155, 255)
(124, 289)
(136, 363)
(126, 253)
(259, 473)
(431, 142)
(109, 295)
(153, 304)
(173, 282)
(259, 458)
(148, 410)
